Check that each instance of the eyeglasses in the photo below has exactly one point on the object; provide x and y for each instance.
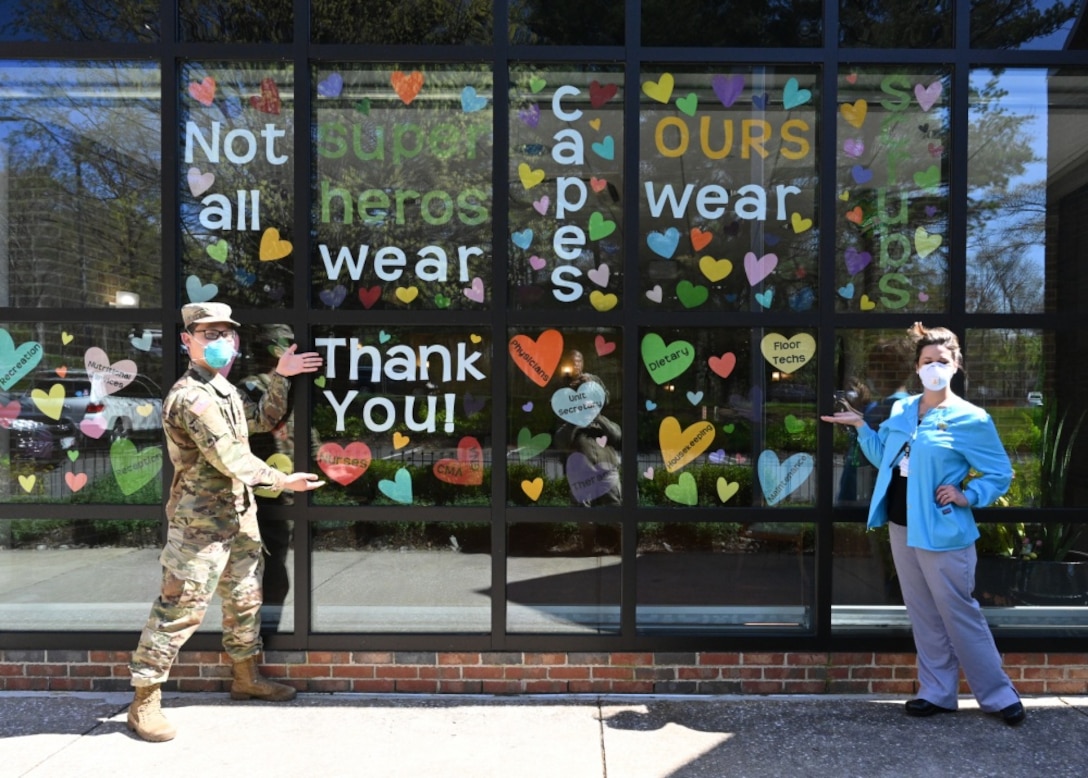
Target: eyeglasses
(210, 335)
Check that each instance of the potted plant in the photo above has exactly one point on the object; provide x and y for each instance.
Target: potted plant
(1049, 570)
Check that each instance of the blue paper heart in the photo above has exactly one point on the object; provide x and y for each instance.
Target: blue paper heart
(606, 148)
(470, 101)
(765, 298)
(860, 174)
(198, 292)
(331, 86)
(399, 489)
(803, 299)
(847, 291)
(579, 406)
(523, 239)
(664, 244)
(695, 397)
(780, 479)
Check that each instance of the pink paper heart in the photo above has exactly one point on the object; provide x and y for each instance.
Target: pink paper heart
(758, 268)
(927, 95)
(94, 427)
(476, 291)
(541, 205)
(199, 183)
(537, 263)
(599, 275)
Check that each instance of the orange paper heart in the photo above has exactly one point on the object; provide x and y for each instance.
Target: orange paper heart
(344, 464)
(700, 238)
(537, 358)
(467, 469)
(406, 85)
(273, 247)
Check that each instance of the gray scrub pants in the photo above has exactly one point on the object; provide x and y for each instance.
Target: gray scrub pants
(950, 631)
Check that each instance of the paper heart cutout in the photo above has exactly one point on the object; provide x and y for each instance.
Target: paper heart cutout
(726, 489)
(758, 268)
(199, 183)
(17, 361)
(680, 447)
(344, 464)
(272, 247)
(203, 91)
(467, 469)
(199, 292)
(75, 481)
(399, 489)
(330, 86)
(280, 462)
(476, 291)
(50, 403)
(660, 90)
(219, 251)
(715, 269)
(603, 302)
(665, 361)
(787, 354)
(685, 491)
(406, 85)
(723, 366)
(533, 489)
(579, 406)
(604, 347)
(587, 480)
(537, 358)
(406, 294)
(780, 479)
(132, 469)
(106, 377)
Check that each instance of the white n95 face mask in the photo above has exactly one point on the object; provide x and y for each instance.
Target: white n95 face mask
(936, 375)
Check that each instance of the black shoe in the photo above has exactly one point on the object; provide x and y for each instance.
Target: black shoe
(920, 707)
(1014, 714)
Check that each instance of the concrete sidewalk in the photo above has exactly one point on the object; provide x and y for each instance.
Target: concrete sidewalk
(84, 734)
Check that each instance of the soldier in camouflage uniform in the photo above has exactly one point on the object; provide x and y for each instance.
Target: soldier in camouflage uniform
(213, 542)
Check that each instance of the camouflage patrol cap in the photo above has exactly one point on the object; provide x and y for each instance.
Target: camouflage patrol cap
(201, 313)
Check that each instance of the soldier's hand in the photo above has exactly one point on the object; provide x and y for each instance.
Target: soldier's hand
(303, 482)
(292, 363)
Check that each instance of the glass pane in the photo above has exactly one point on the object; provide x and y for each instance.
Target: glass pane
(566, 411)
(402, 187)
(80, 154)
(1025, 187)
(727, 417)
(563, 578)
(136, 21)
(401, 416)
(566, 179)
(892, 229)
(715, 577)
(728, 190)
(1028, 24)
(236, 172)
(731, 23)
(401, 577)
(566, 22)
(226, 21)
(81, 413)
(83, 575)
(891, 24)
(412, 22)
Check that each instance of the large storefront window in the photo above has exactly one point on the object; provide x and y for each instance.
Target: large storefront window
(401, 200)
(583, 275)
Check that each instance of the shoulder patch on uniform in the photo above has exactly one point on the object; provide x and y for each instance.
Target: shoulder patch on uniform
(201, 405)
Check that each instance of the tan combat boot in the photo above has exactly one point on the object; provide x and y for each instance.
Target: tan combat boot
(248, 683)
(145, 715)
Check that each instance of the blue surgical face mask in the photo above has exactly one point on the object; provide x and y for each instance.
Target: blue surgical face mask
(219, 353)
(936, 375)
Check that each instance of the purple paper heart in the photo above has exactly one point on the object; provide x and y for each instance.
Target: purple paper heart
(586, 480)
(530, 116)
(717, 457)
(760, 101)
(727, 88)
(856, 261)
(331, 86)
(853, 147)
(528, 406)
(333, 297)
(861, 174)
(931, 210)
(472, 405)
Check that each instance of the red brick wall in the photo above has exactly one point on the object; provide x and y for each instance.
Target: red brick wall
(425, 672)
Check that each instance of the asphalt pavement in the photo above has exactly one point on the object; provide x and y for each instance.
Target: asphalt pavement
(46, 734)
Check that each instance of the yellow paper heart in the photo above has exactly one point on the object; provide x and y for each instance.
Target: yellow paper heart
(475, 338)
(681, 446)
(145, 409)
(27, 482)
(787, 354)
(272, 248)
(866, 303)
(855, 113)
(66, 338)
(529, 177)
(51, 404)
(844, 196)
(280, 462)
(727, 489)
(595, 123)
(660, 90)
(715, 269)
(925, 243)
(602, 301)
(407, 293)
(800, 224)
(400, 441)
(533, 488)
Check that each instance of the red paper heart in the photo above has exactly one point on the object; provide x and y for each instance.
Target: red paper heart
(370, 296)
(344, 464)
(203, 91)
(467, 469)
(269, 99)
(599, 95)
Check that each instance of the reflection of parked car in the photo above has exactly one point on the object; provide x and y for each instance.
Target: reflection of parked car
(134, 410)
(32, 435)
(1035, 398)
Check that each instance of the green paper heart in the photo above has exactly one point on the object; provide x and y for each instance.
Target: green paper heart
(363, 106)
(685, 492)
(133, 469)
(690, 295)
(727, 428)
(600, 227)
(441, 301)
(794, 425)
(929, 178)
(530, 445)
(536, 83)
(219, 250)
(688, 104)
(73, 455)
(319, 382)
(665, 361)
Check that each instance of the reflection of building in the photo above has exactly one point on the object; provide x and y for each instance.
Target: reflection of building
(715, 199)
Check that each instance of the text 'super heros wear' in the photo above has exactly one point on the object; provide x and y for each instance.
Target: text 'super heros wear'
(213, 543)
(943, 446)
